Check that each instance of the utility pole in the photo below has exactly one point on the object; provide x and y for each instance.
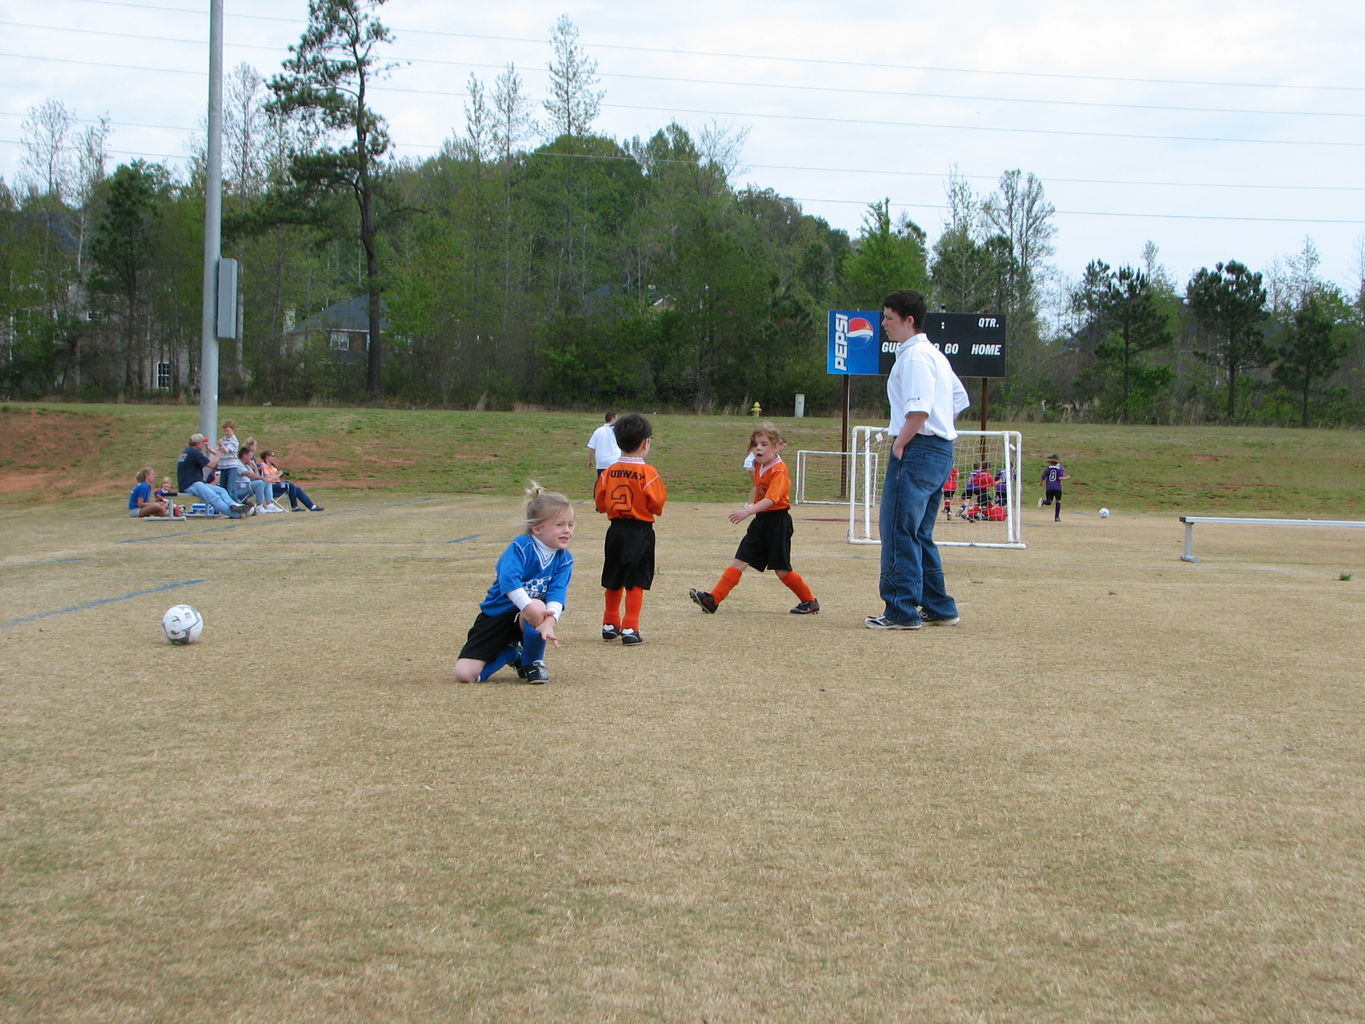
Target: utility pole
(213, 219)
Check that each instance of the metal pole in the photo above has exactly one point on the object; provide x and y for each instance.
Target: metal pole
(213, 218)
(844, 445)
(985, 411)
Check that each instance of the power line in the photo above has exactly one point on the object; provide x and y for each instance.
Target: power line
(386, 88)
(379, 87)
(778, 86)
(916, 206)
(673, 51)
(197, 72)
(874, 171)
(876, 123)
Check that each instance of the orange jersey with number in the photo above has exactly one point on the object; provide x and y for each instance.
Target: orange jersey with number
(631, 489)
(774, 482)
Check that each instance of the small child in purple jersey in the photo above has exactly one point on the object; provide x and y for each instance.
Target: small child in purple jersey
(1053, 476)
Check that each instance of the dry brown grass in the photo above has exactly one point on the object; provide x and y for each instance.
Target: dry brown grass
(1126, 788)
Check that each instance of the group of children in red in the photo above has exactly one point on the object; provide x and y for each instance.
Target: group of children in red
(984, 497)
(517, 616)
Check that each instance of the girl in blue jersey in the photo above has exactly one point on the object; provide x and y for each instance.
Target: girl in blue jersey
(518, 615)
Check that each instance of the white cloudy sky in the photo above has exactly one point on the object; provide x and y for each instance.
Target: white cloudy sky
(1218, 131)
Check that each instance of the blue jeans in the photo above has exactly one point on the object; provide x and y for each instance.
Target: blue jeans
(229, 478)
(912, 572)
(214, 495)
(295, 492)
(244, 486)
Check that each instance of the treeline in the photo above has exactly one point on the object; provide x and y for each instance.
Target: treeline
(588, 272)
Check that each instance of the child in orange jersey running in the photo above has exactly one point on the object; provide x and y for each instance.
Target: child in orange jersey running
(768, 542)
(631, 494)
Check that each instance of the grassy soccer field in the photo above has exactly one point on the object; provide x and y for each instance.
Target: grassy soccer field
(1125, 788)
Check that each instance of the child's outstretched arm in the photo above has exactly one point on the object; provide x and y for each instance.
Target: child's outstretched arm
(542, 620)
(753, 508)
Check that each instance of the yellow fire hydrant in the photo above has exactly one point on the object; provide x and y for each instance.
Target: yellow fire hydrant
(757, 410)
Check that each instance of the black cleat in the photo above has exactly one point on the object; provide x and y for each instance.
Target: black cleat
(707, 602)
(806, 608)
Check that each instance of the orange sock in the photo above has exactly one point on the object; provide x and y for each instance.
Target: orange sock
(729, 579)
(611, 616)
(635, 601)
(797, 586)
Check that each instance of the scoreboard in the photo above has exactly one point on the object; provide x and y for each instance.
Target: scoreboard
(974, 343)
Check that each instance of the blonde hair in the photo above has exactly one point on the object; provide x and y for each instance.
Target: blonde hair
(146, 473)
(542, 504)
(770, 432)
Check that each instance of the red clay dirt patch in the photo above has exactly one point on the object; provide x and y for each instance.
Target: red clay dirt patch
(43, 451)
(39, 451)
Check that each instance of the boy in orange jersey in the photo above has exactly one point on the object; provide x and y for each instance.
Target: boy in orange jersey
(631, 494)
(768, 542)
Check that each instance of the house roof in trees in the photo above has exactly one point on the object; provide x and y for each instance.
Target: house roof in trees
(351, 315)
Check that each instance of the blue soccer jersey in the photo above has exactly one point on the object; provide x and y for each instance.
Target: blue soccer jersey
(529, 565)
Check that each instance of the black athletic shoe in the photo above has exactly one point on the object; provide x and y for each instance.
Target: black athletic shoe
(239, 510)
(536, 673)
(610, 633)
(882, 622)
(807, 608)
(316, 508)
(707, 602)
(631, 637)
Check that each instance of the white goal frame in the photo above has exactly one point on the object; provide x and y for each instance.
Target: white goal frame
(801, 489)
(867, 469)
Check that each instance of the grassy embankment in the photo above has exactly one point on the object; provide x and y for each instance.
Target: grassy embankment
(52, 451)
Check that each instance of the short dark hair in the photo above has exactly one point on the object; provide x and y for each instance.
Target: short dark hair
(632, 430)
(908, 304)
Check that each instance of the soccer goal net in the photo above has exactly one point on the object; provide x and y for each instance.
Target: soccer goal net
(821, 478)
(980, 502)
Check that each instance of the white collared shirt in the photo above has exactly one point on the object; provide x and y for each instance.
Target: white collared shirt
(922, 380)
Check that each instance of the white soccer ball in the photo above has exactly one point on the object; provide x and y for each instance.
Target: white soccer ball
(183, 625)
(1104, 513)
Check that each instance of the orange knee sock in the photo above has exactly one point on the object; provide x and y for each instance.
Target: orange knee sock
(611, 615)
(635, 601)
(797, 586)
(729, 579)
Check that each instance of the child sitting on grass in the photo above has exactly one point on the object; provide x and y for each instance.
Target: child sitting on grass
(141, 502)
(517, 616)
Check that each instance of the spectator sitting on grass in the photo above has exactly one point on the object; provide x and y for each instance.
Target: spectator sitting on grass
(141, 502)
